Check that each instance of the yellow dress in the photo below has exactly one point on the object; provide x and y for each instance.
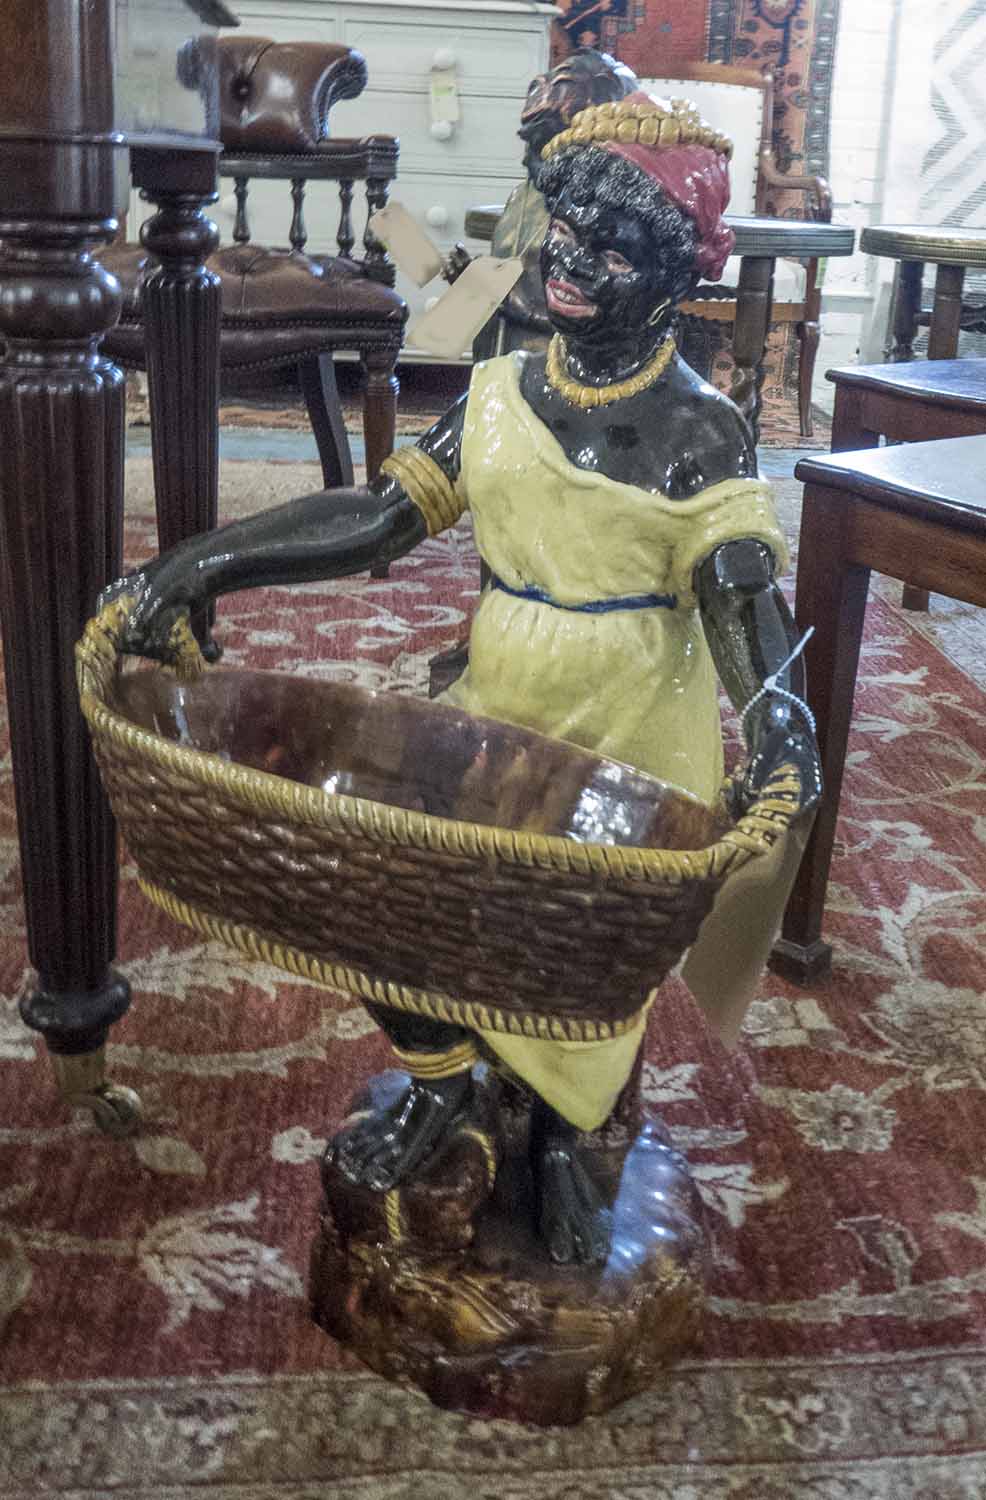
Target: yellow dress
(630, 677)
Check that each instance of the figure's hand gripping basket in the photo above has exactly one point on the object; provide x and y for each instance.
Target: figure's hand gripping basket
(536, 926)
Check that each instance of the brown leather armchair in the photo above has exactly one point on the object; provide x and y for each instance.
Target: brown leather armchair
(284, 307)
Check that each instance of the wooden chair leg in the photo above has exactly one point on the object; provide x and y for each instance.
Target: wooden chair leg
(318, 385)
(808, 337)
(379, 415)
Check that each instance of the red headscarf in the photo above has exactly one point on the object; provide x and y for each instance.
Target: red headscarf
(696, 179)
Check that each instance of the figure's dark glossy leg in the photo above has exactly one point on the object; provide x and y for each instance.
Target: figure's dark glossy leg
(386, 1146)
(573, 1219)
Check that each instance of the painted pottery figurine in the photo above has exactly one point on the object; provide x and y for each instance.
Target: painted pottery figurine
(553, 98)
(632, 552)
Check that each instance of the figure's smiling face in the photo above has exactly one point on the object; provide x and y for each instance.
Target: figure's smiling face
(600, 270)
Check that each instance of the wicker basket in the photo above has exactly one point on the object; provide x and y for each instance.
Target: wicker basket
(494, 928)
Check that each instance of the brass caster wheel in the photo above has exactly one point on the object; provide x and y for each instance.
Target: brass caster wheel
(116, 1109)
(83, 1084)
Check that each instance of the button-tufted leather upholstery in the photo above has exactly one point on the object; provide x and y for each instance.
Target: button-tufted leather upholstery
(276, 96)
(277, 305)
(283, 307)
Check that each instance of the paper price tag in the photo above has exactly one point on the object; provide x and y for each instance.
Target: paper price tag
(452, 324)
(416, 255)
(444, 96)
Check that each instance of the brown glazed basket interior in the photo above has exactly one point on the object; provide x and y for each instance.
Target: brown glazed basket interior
(415, 754)
(406, 852)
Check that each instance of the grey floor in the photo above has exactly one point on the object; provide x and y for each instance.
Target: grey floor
(259, 445)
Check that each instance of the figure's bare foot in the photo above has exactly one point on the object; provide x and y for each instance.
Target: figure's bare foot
(381, 1149)
(574, 1222)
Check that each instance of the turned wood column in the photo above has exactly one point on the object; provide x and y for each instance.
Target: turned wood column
(181, 307)
(380, 391)
(906, 307)
(755, 295)
(61, 506)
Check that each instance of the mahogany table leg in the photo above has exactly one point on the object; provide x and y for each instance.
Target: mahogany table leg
(61, 515)
(181, 306)
(831, 596)
(943, 343)
(849, 431)
(754, 298)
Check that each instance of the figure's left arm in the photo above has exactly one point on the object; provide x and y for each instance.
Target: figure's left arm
(751, 634)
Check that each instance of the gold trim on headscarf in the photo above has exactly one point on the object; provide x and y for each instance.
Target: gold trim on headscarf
(639, 122)
(427, 485)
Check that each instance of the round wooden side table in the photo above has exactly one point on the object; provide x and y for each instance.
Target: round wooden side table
(953, 250)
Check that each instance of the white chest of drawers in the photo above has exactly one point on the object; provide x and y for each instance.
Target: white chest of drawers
(495, 48)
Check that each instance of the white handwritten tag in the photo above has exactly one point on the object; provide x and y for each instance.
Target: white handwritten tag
(415, 253)
(451, 325)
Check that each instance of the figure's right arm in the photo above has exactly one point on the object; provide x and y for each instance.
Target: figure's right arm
(331, 534)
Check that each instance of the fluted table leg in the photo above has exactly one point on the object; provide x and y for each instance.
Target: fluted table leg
(61, 510)
(181, 309)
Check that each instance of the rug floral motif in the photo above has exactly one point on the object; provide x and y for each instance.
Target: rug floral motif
(154, 1337)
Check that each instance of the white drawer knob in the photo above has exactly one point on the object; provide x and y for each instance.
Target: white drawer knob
(432, 302)
(441, 130)
(437, 216)
(443, 58)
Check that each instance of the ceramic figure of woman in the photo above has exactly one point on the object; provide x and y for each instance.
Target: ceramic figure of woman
(632, 550)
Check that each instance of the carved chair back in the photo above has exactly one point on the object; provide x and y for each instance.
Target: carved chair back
(275, 99)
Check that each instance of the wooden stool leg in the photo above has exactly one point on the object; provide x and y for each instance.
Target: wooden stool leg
(831, 596)
(379, 415)
(754, 298)
(946, 313)
(321, 393)
(906, 306)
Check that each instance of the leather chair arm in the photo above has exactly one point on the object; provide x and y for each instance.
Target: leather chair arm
(275, 96)
(816, 187)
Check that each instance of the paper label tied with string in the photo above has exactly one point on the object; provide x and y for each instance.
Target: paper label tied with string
(450, 326)
(415, 253)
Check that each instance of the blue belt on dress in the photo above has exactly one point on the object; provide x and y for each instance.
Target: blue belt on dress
(594, 606)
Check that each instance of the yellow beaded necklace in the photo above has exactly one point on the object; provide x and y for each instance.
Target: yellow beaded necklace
(601, 395)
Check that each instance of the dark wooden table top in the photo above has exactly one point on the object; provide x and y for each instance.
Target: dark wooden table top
(959, 382)
(942, 482)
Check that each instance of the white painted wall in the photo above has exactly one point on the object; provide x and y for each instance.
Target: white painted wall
(881, 124)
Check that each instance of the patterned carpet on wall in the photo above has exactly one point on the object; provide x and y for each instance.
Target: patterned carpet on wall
(154, 1340)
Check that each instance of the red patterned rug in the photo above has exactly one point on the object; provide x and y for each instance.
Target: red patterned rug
(154, 1339)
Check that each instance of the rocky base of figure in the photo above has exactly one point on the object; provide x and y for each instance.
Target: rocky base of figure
(443, 1283)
